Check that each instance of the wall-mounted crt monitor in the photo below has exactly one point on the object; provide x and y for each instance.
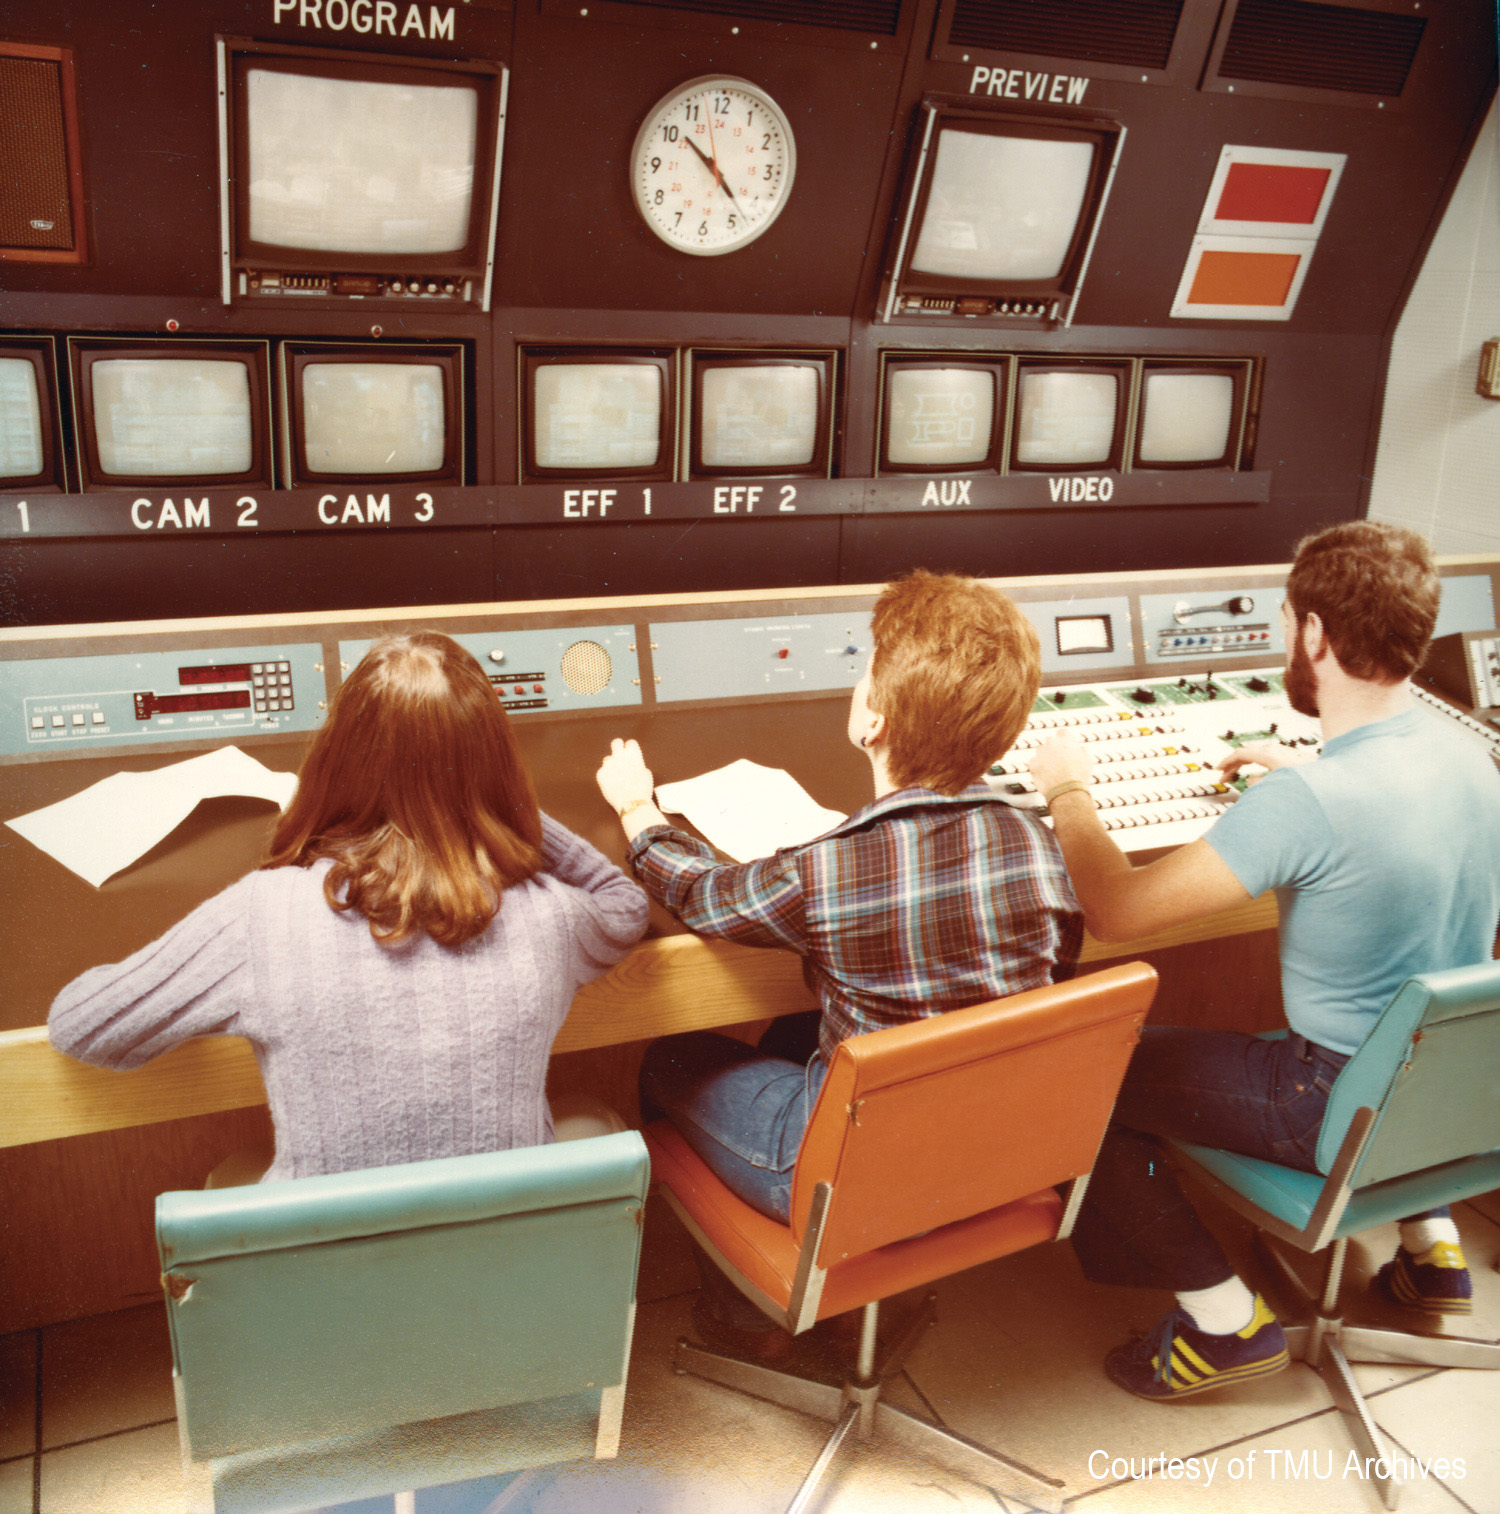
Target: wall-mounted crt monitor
(766, 414)
(1069, 414)
(172, 411)
(943, 414)
(597, 412)
(383, 411)
(31, 453)
(357, 175)
(1192, 414)
(999, 215)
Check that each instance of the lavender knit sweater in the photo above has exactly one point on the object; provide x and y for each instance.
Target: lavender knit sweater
(371, 1055)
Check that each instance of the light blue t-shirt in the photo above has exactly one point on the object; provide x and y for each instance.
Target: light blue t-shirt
(1385, 857)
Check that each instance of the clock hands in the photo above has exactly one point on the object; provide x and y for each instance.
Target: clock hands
(712, 165)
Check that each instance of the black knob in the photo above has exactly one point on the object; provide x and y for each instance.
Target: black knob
(1144, 696)
(1241, 604)
(1258, 685)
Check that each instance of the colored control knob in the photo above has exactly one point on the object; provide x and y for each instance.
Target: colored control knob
(783, 652)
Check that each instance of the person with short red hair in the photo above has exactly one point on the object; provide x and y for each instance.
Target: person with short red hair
(936, 896)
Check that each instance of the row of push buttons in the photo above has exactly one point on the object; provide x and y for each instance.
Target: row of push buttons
(59, 722)
(1247, 639)
(272, 686)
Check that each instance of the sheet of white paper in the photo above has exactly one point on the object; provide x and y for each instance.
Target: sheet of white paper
(120, 818)
(747, 810)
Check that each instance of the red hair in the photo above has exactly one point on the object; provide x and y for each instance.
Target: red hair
(955, 672)
(416, 789)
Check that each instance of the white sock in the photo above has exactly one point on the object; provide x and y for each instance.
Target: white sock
(1222, 1309)
(1418, 1236)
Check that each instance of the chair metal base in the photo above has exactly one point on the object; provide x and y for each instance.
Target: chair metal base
(859, 1413)
(1328, 1346)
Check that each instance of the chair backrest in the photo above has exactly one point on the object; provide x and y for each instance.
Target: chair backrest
(1431, 1071)
(331, 1306)
(930, 1122)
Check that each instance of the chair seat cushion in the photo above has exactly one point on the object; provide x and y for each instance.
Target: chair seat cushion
(765, 1252)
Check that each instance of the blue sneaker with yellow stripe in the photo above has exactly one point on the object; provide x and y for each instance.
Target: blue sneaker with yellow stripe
(1176, 1359)
(1437, 1281)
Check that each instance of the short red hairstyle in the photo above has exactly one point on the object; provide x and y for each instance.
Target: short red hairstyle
(416, 789)
(955, 673)
(1376, 590)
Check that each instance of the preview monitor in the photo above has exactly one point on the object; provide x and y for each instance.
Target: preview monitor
(358, 174)
(761, 414)
(1068, 416)
(943, 415)
(597, 413)
(377, 411)
(30, 448)
(1000, 215)
(170, 412)
(1191, 415)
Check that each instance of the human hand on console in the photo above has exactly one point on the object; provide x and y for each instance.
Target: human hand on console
(1265, 754)
(1061, 759)
(627, 785)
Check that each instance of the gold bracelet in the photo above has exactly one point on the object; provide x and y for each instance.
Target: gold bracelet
(634, 805)
(1065, 787)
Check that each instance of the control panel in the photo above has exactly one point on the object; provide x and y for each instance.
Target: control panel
(61, 704)
(1155, 746)
(1466, 667)
(1220, 623)
(1092, 633)
(729, 659)
(568, 668)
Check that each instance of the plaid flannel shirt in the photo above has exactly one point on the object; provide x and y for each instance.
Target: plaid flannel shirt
(916, 904)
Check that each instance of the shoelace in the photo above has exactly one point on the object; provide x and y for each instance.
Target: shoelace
(1161, 1345)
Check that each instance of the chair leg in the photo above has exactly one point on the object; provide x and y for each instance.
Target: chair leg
(858, 1411)
(1333, 1367)
(1364, 1343)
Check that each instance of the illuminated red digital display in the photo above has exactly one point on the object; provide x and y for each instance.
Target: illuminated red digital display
(176, 704)
(231, 672)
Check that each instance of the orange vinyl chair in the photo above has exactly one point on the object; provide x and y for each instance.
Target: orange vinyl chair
(933, 1146)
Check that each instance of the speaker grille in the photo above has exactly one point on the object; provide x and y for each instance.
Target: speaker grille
(844, 15)
(1321, 47)
(34, 210)
(587, 667)
(1136, 33)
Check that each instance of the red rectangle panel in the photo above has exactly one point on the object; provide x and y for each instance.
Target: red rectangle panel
(1277, 192)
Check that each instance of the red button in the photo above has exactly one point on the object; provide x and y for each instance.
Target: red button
(784, 652)
(536, 688)
(520, 688)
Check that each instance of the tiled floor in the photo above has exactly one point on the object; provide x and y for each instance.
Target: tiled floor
(1013, 1363)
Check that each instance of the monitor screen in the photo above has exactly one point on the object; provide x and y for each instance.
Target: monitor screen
(172, 417)
(940, 417)
(360, 166)
(23, 452)
(1185, 418)
(758, 416)
(373, 418)
(597, 417)
(1066, 418)
(1003, 208)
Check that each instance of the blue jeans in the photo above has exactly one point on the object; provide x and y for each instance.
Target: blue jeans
(1216, 1087)
(743, 1111)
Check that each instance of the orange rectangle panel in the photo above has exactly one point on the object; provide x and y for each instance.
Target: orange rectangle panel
(1244, 278)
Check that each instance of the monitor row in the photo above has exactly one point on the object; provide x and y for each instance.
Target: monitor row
(200, 411)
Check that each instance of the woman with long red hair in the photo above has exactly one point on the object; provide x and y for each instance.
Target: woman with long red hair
(403, 959)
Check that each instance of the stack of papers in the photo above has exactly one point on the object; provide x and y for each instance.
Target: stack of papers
(120, 818)
(747, 810)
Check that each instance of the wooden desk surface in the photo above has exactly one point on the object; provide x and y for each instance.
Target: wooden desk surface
(667, 985)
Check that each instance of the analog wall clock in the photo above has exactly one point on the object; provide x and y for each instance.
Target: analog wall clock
(712, 165)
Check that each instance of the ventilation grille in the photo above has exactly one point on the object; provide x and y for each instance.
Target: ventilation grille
(1321, 47)
(844, 15)
(1136, 33)
(34, 209)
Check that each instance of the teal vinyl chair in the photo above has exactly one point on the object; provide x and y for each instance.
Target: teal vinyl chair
(1413, 1121)
(366, 1333)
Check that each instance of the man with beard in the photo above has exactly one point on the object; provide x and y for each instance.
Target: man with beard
(1385, 856)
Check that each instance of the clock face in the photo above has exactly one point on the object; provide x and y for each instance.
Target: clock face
(712, 165)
